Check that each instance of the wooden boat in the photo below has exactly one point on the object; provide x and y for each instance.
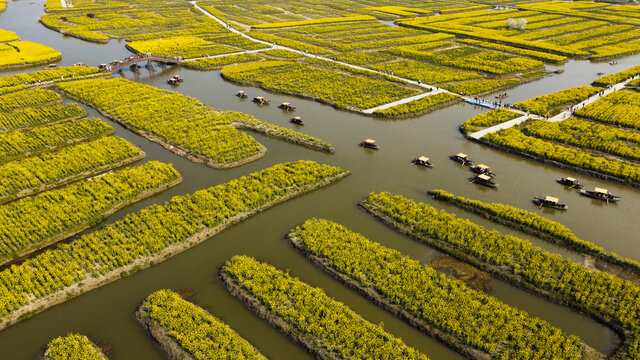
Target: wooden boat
(260, 100)
(422, 161)
(175, 80)
(297, 120)
(600, 194)
(51, 66)
(287, 106)
(369, 143)
(483, 169)
(501, 96)
(485, 180)
(600, 73)
(103, 66)
(613, 62)
(80, 64)
(461, 158)
(241, 94)
(550, 201)
(570, 182)
(134, 67)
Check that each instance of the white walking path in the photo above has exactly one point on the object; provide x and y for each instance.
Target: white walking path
(402, 101)
(432, 89)
(561, 116)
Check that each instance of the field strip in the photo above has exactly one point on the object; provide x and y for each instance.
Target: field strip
(561, 116)
(230, 54)
(280, 47)
(402, 101)
(565, 114)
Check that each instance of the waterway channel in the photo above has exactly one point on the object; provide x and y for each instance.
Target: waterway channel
(106, 314)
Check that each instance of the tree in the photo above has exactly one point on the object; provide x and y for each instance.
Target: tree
(511, 23)
(521, 23)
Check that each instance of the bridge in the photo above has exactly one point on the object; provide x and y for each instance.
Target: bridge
(135, 59)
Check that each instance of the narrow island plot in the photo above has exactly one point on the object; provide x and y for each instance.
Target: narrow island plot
(148, 236)
(475, 324)
(323, 326)
(186, 331)
(609, 299)
(183, 124)
(73, 346)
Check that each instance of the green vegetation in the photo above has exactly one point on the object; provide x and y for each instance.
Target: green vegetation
(514, 140)
(314, 21)
(618, 108)
(180, 123)
(19, 144)
(587, 135)
(72, 347)
(323, 325)
(150, 235)
(493, 117)
(28, 98)
(344, 90)
(535, 224)
(618, 77)
(37, 221)
(549, 104)
(416, 107)
(426, 73)
(538, 55)
(612, 300)
(199, 334)
(219, 62)
(38, 173)
(468, 318)
(28, 117)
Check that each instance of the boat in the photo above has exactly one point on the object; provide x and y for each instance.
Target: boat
(570, 182)
(134, 67)
(461, 158)
(51, 66)
(297, 120)
(501, 96)
(241, 94)
(600, 194)
(600, 73)
(80, 64)
(485, 180)
(103, 66)
(260, 100)
(422, 161)
(175, 80)
(287, 106)
(613, 62)
(483, 169)
(550, 201)
(369, 143)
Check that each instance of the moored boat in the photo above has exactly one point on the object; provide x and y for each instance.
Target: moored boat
(260, 100)
(600, 194)
(570, 182)
(461, 158)
(287, 106)
(369, 143)
(485, 180)
(483, 169)
(175, 80)
(550, 201)
(422, 161)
